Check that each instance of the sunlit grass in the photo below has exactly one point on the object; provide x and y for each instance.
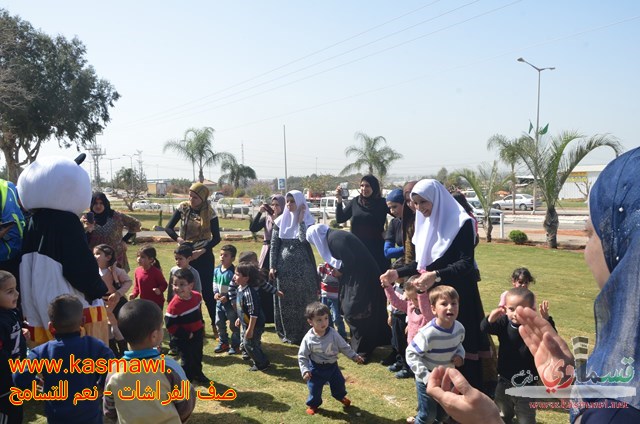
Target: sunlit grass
(278, 395)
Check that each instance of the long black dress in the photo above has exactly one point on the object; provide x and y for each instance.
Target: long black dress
(367, 223)
(362, 299)
(456, 268)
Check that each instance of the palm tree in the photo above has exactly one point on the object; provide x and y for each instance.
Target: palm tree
(551, 165)
(372, 155)
(237, 174)
(507, 151)
(196, 146)
(487, 179)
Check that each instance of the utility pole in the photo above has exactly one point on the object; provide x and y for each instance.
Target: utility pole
(111, 169)
(284, 134)
(242, 151)
(96, 152)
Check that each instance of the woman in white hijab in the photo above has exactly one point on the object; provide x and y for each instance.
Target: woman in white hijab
(444, 241)
(293, 268)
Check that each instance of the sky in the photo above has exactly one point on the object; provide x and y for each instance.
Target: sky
(436, 78)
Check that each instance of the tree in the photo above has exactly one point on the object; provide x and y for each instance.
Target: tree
(552, 163)
(133, 182)
(373, 155)
(197, 147)
(58, 93)
(508, 153)
(237, 174)
(487, 179)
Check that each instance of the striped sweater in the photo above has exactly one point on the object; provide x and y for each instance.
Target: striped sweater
(184, 317)
(434, 346)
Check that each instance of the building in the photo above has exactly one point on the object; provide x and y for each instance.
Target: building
(580, 181)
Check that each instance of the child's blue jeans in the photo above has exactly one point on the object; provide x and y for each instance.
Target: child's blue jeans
(428, 409)
(253, 346)
(336, 316)
(225, 312)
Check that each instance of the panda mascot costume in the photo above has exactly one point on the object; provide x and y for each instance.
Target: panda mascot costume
(56, 258)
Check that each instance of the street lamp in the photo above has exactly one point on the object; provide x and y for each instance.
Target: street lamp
(520, 59)
(132, 171)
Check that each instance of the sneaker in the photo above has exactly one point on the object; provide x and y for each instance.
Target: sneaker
(234, 350)
(395, 367)
(311, 410)
(245, 356)
(404, 373)
(222, 347)
(346, 401)
(261, 368)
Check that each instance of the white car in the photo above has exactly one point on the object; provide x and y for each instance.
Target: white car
(523, 202)
(479, 212)
(146, 205)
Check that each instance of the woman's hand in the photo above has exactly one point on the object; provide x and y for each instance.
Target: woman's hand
(272, 274)
(197, 254)
(425, 281)
(389, 277)
(113, 299)
(301, 210)
(180, 240)
(157, 291)
(248, 334)
(339, 193)
(546, 346)
(464, 403)
(88, 228)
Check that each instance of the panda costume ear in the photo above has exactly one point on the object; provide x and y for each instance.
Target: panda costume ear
(57, 183)
(81, 157)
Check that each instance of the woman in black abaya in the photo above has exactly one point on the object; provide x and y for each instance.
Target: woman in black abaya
(362, 300)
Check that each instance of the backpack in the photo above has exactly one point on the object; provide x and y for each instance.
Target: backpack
(11, 212)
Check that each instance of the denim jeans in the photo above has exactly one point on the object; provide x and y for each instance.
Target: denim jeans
(225, 312)
(428, 409)
(322, 374)
(253, 346)
(511, 406)
(336, 316)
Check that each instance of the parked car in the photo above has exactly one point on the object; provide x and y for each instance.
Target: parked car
(146, 205)
(479, 212)
(217, 196)
(258, 200)
(470, 195)
(523, 202)
(229, 205)
(327, 206)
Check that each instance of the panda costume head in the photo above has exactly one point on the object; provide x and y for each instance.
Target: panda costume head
(55, 182)
(56, 257)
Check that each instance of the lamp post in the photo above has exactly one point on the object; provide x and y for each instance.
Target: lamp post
(539, 70)
(132, 171)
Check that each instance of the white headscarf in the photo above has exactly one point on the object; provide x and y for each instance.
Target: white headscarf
(317, 235)
(288, 221)
(434, 235)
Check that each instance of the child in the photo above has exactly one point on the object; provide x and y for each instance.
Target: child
(12, 344)
(183, 255)
(318, 358)
(329, 286)
(224, 292)
(521, 277)
(251, 317)
(513, 355)
(184, 322)
(418, 312)
(118, 284)
(437, 343)
(149, 281)
(65, 319)
(141, 324)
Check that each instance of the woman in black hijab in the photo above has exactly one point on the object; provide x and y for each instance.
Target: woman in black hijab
(368, 214)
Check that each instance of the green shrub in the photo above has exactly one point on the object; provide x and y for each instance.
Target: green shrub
(518, 237)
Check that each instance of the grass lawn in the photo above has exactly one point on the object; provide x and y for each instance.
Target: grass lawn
(149, 219)
(278, 395)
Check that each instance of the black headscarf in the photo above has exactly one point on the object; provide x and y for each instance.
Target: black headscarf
(375, 187)
(101, 218)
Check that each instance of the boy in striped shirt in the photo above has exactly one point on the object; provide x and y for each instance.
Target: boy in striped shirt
(437, 343)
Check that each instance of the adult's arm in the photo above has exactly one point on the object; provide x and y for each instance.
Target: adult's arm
(257, 223)
(274, 251)
(169, 229)
(214, 224)
(343, 214)
(463, 248)
(132, 225)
